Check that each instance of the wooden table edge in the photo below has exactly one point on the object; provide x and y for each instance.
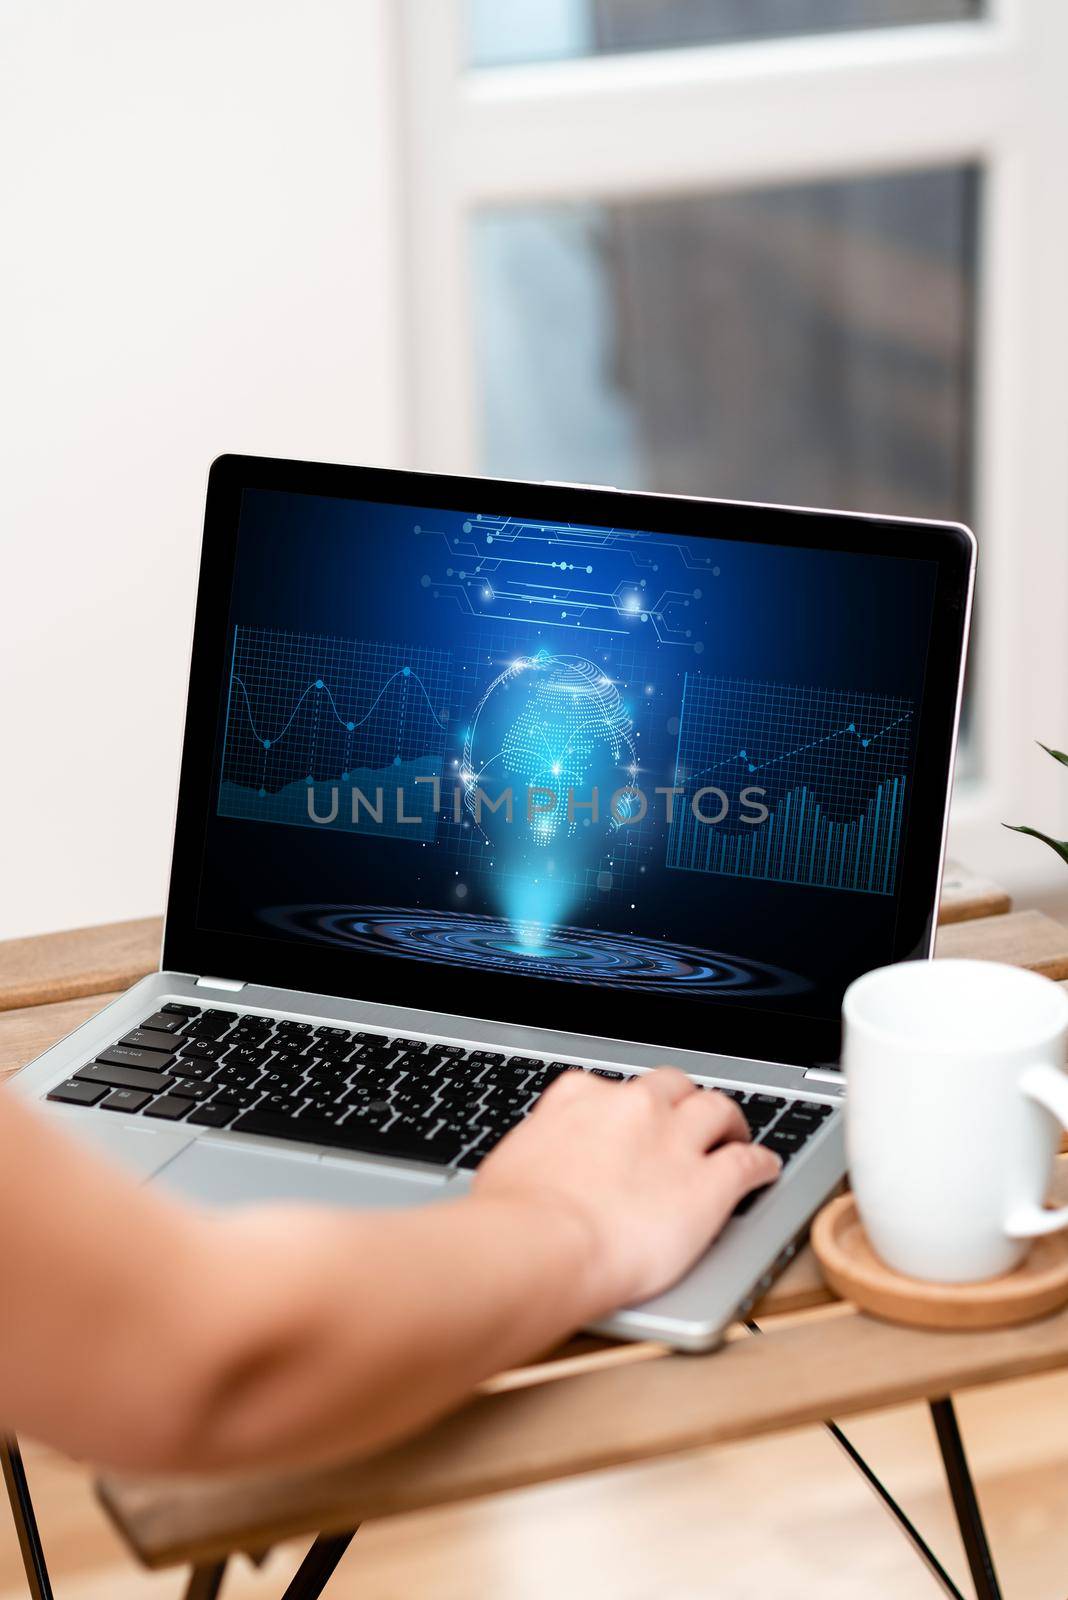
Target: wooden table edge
(617, 1417)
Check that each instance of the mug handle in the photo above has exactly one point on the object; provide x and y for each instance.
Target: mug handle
(1048, 1087)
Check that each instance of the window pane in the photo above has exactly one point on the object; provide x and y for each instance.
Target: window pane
(548, 30)
(809, 344)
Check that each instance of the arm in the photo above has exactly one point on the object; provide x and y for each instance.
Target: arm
(143, 1333)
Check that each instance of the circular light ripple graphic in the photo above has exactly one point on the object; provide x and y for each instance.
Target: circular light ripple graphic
(574, 955)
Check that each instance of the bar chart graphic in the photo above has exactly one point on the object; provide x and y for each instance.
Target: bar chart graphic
(806, 785)
(311, 716)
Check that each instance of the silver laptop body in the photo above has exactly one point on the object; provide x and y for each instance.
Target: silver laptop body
(225, 1165)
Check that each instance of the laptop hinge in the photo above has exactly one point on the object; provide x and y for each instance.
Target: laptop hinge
(824, 1075)
(231, 985)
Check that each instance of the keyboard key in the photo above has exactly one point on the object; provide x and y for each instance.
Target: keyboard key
(290, 1055)
(488, 1058)
(773, 1100)
(461, 1069)
(409, 1045)
(202, 1049)
(198, 1071)
(238, 1076)
(462, 1111)
(125, 1100)
(564, 1066)
(245, 1055)
(378, 1104)
(477, 1153)
(322, 1108)
(803, 1126)
(249, 1033)
(211, 1023)
(538, 1082)
(149, 1039)
(192, 1090)
(784, 1144)
(180, 1009)
(407, 1138)
(124, 1055)
(758, 1116)
(285, 1103)
(170, 1107)
(369, 1135)
(373, 1073)
(240, 1099)
(410, 1061)
(603, 1072)
(294, 1029)
(336, 1050)
(124, 1077)
(438, 1059)
(164, 1022)
(73, 1093)
(524, 1063)
(212, 1116)
(803, 1112)
(506, 1098)
(413, 1095)
(231, 1102)
(345, 1033)
(328, 1074)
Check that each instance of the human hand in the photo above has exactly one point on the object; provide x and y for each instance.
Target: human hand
(652, 1167)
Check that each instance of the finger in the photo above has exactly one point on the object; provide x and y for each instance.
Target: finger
(668, 1084)
(712, 1118)
(733, 1170)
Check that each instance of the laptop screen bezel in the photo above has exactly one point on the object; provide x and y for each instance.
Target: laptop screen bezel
(749, 1031)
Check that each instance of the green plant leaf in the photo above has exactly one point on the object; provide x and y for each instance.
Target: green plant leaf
(1058, 755)
(1060, 845)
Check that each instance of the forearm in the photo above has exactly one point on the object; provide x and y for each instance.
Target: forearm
(387, 1321)
(143, 1333)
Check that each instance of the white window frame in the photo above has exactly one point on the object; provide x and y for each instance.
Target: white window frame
(822, 106)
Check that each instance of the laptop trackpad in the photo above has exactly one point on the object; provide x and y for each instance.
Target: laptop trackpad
(224, 1174)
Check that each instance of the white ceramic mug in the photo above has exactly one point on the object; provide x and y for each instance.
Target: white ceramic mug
(955, 1097)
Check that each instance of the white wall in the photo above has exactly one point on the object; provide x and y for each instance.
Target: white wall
(198, 253)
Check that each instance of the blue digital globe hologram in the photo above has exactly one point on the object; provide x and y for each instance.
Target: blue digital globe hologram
(549, 765)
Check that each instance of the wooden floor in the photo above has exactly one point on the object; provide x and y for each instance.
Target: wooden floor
(786, 1516)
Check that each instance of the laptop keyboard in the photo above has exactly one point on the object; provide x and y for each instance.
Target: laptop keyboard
(361, 1091)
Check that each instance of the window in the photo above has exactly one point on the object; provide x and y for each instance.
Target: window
(807, 251)
(810, 344)
(548, 30)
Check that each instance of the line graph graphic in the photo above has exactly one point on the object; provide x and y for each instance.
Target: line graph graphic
(826, 771)
(310, 712)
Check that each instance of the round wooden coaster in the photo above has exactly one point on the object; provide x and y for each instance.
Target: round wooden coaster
(1036, 1287)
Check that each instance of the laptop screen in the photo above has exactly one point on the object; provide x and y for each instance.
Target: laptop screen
(467, 745)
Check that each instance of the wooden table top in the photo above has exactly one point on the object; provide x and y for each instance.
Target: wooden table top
(593, 1404)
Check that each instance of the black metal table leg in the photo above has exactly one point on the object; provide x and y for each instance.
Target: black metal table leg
(965, 1500)
(25, 1519)
(205, 1582)
(889, 1504)
(317, 1568)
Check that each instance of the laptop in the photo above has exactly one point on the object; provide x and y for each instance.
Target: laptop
(487, 781)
